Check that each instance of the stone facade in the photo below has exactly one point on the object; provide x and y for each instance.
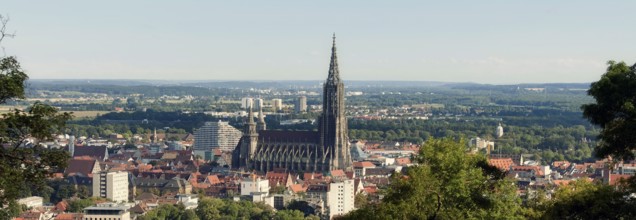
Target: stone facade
(327, 149)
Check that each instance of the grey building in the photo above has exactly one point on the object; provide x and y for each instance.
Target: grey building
(215, 135)
(323, 150)
(301, 104)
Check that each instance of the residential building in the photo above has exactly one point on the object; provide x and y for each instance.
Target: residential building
(254, 185)
(277, 105)
(112, 185)
(301, 104)
(247, 102)
(107, 211)
(215, 135)
(334, 198)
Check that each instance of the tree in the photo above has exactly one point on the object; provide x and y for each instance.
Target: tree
(614, 111)
(289, 215)
(448, 184)
(23, 161)
(587, 200)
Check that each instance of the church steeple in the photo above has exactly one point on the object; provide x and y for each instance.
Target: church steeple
(334, 73)
(250, 127)
(260, 125)
(333, 123)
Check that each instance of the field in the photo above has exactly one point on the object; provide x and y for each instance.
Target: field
(88, 114)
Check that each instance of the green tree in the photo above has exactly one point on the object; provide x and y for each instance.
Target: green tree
(587, 200)
(289, 215)
(448, 184)
(614, 111)
(25, 163)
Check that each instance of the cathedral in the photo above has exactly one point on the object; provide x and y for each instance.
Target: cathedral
(327, 149)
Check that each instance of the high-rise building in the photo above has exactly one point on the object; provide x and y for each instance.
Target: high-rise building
(337, 197)
(215, 135)
(112, 185)
(277, 104)
(247, 102)
(301, 104)
(316, 151)
(258, 103)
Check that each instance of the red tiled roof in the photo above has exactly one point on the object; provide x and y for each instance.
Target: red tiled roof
(502, 163)
(212, 179)
(363, 164)
(616, 178)
(338, 173)
(403, 161)
(69, 216)
(296, 188)
(309, 176)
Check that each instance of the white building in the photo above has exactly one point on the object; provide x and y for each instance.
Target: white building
(500, 131)
(254, 185)
(31, 202)
(215, 135)
(277, 104)
(336, 198)
(247, 102)
(189, 201)
(111, 185)
(107, 211)
(482, 144)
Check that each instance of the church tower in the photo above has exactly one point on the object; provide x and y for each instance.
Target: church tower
(333, 123)
(248, 143)
(260, 125)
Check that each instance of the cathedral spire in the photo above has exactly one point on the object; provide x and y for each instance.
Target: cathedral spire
(261, 120)
(250, 116)
(334, 73)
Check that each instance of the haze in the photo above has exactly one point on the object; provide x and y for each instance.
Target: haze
(496, 42)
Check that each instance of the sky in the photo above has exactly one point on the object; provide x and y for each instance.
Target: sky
(494, 42)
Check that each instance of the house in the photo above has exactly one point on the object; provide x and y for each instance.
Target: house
(97, 152)
(360, 168)
(85, 166)
(502, 164)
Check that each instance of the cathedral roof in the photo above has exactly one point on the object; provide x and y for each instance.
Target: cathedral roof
(289, 136)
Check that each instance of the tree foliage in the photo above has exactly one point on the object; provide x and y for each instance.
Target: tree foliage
(614, 110)
(448, 184)
(23, 162)
(588, 200)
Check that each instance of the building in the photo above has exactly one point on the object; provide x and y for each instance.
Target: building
(107, 211)
(323, 150)
(258, 103)
(479, 143)
(247, 102)
(111, 185)
(334, 198)
(254, 185)
(32, 202)
(499, 132)
(215, 135)
(301, 104)
(277, 105)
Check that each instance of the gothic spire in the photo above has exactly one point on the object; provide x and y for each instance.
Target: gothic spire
(250, 116)
(334, 74)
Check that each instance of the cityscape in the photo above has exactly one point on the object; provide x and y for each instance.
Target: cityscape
(351, 143)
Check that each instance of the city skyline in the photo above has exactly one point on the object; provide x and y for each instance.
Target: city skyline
(503, 43)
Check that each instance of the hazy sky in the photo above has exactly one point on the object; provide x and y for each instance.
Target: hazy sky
(459, 41)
